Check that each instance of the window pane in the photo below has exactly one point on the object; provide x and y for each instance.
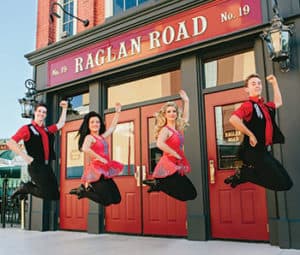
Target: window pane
(74, 168)
(123, 146)
(79, 104)
(118, 6)
(229, 69)
(228, 139)
(129, 4)
(153, 87)
(154, 152)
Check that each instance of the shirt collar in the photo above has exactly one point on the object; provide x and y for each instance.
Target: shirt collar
(36, 125)
(257, 99)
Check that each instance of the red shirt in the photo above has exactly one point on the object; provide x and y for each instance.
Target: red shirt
(244, 112)
(24, 134)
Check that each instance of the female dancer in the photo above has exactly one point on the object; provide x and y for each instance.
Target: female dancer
(169, 173)
(256, 120)
(99, 185)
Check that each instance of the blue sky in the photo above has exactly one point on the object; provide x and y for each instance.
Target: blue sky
(18, 31)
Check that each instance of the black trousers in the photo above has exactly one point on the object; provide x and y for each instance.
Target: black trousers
(43, 181)
(105, 192)
(177, 186)
(265, 170)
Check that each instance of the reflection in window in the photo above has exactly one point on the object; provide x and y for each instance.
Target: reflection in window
(228, 139)
(120, 6)
(154, 152)
(229, 69)
(79, 104)
(74, 162)
(153, 87)
(123, 146)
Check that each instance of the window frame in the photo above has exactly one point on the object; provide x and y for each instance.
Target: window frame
(60, 34)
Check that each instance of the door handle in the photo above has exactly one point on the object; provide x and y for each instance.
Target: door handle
(212, 171)
(144, 174)
(137, 176)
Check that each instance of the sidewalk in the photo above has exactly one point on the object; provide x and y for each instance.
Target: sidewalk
(21, 242)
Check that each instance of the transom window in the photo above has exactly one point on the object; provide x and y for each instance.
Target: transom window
(228, 70)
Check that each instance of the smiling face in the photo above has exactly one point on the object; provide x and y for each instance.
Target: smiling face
(171, 113)
(94, 124)
(40, 114)
(254, 87)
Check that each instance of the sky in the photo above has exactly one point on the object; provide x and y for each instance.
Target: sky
(18, 31)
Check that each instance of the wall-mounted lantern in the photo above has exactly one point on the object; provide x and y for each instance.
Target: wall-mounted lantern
(28, 102)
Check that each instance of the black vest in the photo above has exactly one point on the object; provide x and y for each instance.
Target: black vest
(257, 125)
(34, 146)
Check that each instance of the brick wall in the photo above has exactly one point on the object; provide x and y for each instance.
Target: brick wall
(93, 10)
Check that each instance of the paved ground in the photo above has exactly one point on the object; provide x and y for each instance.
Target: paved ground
(20, 242)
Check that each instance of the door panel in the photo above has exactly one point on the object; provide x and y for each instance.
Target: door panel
(162, 214)
(73, 212)
(140, 212)
(125, 148)
(239, 213)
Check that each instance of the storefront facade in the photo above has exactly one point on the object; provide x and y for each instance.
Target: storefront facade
(141, 59)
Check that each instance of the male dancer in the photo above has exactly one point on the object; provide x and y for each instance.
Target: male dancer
(38, 141)
(256, 120)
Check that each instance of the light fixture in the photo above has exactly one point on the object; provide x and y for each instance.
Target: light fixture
(85, 22)
(28, 102)
(277, 39)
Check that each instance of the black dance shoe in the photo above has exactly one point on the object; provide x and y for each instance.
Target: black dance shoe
(78, 191)
(154, 185)
(21, 190)
(234, 180)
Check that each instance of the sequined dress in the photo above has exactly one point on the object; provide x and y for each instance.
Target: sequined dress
(96, 168)
(168, 164)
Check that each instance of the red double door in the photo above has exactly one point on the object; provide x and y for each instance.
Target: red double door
(139, 212)
(239, 213)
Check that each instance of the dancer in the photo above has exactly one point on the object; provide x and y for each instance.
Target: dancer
(38, 141)
(256, 120)
(97, 177)
(169, 173)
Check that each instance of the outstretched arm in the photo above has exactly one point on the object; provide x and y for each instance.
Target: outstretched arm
(62, 119)
(114, 122)
(239, 125)
(277, 94)
(186, 105)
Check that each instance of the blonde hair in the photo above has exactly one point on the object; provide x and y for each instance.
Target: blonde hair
(161, 120)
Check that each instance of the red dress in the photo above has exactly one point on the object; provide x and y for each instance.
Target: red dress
(168, 164)
(96, 168)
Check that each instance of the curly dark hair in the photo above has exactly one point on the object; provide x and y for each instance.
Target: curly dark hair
(84, 128)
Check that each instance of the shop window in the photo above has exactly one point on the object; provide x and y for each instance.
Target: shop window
(116, 7)
(228, 139)
(79, 104)
(162, 85)
(229, 70)
(123, 149)
(67, 24)
(75, 158)
(154, 152)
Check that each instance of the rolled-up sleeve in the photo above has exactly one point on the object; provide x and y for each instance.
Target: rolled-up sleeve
(22, 134)
(244, 112)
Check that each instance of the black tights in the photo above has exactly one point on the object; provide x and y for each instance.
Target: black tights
(177, 186)
(105, 192)
(43, 182)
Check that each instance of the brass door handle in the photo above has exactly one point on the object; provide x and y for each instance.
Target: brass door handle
(144, 174)
(137, 176)
(212, 172)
